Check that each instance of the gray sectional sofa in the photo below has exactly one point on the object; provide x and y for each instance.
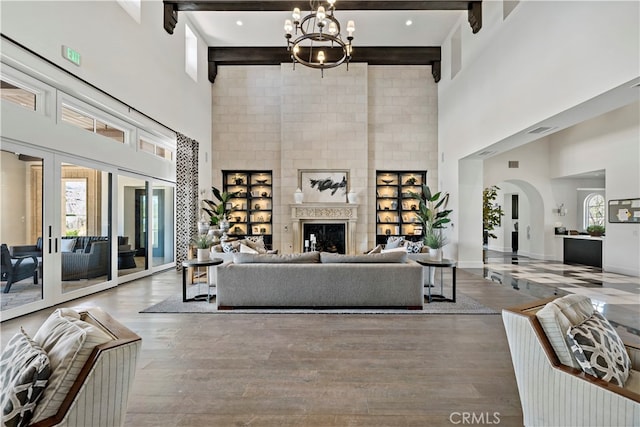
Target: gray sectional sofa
(320, 280)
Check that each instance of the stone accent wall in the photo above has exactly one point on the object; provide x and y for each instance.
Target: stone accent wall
(366, 119)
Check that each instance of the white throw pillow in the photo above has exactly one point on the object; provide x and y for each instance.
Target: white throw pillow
(67, 245)
(68, 341)
(244, 249)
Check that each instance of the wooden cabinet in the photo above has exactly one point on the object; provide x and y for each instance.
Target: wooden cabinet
(253, 204)
(395, 208)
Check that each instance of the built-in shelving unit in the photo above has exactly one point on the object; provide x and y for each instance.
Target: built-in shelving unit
(395, 208)
(253, 204)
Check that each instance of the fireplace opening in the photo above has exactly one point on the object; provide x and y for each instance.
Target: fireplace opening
(329, 237)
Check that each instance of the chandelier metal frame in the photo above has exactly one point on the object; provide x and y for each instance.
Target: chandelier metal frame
(312, 30)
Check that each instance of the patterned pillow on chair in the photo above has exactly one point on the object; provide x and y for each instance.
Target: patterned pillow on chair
(24, 373)
(394, 242)
(599, 350)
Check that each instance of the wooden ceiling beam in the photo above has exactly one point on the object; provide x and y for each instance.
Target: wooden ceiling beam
(384, 55)
(172, 7)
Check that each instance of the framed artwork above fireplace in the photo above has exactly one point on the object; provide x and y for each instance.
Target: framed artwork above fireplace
(324, 185)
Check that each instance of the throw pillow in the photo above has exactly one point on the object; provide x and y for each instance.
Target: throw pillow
(229, 248)
(67, 245)
(244, 249)
(413, 247)
(558, 316)
(394, 242)
(599, 350)
(24, 372)
(376, 250)
(68, 341)
(256, 243)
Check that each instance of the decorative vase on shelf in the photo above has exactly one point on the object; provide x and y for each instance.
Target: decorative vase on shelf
(214, 234)
(203, 254)
(224, 227)
(203, 227)
(298, 196)
(352, 197)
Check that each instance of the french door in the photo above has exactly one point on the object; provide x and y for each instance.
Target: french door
(57, 212)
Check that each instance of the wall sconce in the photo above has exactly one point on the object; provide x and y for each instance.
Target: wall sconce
(560, 210)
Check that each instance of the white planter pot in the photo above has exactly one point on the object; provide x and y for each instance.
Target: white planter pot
(203, 254)
(435, 254)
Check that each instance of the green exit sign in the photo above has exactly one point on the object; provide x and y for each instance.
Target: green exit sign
(71, 55)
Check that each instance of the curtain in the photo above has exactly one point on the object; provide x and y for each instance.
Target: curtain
(186, 196)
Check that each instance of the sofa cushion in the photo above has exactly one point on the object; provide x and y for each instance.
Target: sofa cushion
(390, 257)
(599, 350)
(558, 316)
(68, 341)
(67, 245)
(24, 372)
(308, 257)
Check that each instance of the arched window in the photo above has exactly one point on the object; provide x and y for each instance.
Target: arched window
(593, 210)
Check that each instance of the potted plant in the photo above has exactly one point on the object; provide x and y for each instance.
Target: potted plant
(595, 230)
(203, 244)
(432, 212)
(219, 209)
(491, 213)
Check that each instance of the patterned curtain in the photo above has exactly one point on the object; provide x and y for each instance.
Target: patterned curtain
(186, 196)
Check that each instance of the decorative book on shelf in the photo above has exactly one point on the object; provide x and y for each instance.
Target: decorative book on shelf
(396, 210)
(253, 204)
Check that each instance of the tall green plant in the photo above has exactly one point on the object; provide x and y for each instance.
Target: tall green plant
(491, 212)
(219, 210)
(433, 214)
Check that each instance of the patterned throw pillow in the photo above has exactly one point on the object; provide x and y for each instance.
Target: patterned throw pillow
(599, 350)
(413, 247)
(228, 248)
(394, 242)
(256, 243)
(24, 373)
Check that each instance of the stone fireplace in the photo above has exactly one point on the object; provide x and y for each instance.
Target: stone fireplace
(326, 221)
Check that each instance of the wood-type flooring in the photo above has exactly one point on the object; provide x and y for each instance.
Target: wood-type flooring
(312, 369)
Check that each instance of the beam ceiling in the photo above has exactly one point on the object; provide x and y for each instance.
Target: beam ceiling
(276, 55)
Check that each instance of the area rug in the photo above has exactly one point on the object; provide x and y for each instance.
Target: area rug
(463, 305)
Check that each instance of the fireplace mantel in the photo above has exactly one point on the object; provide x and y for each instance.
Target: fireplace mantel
(346, 213)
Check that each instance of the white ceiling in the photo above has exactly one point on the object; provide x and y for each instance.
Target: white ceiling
(373, 28)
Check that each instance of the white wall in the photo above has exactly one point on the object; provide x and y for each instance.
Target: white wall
(365, 119)
(610, 143)
(139, 64)
(544, 59)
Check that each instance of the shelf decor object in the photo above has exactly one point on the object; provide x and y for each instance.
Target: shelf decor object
(252, 204)
(396, 210)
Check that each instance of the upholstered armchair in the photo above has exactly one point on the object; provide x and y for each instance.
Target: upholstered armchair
(77, 370)
(554, 390)
(24, 250)
(86, 265)
(18, 268)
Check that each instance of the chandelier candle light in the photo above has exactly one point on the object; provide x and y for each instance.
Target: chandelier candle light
(318, 42)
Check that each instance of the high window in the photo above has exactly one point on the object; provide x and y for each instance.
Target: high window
(190, 53)
(93, 124)
(594, 210)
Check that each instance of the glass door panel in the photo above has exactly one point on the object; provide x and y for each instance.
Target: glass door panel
(162, 224)
(85, 244)
(21, 213)
(132, 225)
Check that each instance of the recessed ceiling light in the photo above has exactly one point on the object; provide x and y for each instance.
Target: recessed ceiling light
(409, 22)
(239, 23)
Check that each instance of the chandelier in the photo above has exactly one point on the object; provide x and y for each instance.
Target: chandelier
(318, 42)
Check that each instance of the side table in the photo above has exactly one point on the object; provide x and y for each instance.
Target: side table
(445, 263)
(194, 263)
